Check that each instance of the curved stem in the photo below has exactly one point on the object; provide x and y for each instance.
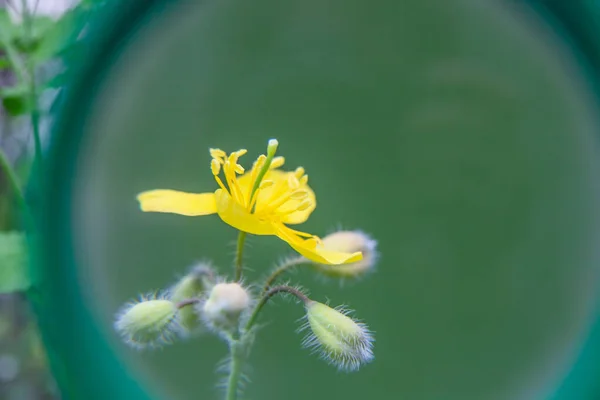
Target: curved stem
(265, 298)
(186, 302)
(286, 266)
(239, 255)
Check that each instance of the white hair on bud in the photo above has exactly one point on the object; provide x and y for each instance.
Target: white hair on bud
(347, 351)
(142, 337)
(225, 307)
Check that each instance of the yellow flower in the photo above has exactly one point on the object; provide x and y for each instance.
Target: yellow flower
(260, 202)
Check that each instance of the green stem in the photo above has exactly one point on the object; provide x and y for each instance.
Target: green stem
(239, 256)
(265, 298)
(186, 302)
(25, 74)
(13, 181)
(35, 113)
(35, 123)
(237, 353)
(286, 266)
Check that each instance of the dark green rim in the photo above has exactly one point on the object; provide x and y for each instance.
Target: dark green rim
(82, 360)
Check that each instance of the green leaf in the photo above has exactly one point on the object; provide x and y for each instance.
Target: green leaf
(50, 40)
(10, 29)
(16, 100)
(13, 263)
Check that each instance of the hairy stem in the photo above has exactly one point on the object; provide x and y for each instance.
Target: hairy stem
(265, 298)
(239, 255)
(286, 266)
(237, 354)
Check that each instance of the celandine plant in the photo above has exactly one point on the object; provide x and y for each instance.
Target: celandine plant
(263, 201)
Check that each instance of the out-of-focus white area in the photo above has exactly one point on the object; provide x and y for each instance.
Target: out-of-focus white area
(51, 8)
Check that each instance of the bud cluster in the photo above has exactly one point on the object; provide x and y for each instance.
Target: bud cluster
(194, 302)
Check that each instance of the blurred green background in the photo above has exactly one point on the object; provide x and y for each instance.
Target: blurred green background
(460, 134)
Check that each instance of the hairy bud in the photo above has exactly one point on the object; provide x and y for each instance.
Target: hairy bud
(191, 286)
(150, 322)
(339, 339)
(225, 305)
(350, 242)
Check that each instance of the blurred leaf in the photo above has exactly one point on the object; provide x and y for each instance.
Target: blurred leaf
(4, 63)
(56, 38)
(13, 255)
(16, 100)
(10, 29)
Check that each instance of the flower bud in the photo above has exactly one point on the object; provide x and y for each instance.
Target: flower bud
(148, 323)
(191, 286)
(342, 342)
(224, 306)
(350, 242)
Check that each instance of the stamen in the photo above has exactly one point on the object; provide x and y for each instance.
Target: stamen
(293, 182)
(304, 180)
(299, 194)
(234, 188)
(254, 199)
(220, 182)
(254, 172)
(296, 195)
(277, 162)
(259, 163)
(304, 205)
(215, 166)
(299, 172)
(240, 153)
(218, 154)
(266, 183)
(239, 169)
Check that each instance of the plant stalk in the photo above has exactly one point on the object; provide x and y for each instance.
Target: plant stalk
(286, 266)
(239, 256)
(265, 298)
(237, 354)
(13, 181)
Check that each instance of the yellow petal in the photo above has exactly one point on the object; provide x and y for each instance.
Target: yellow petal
(236, 215)
(280, 178)
(172, 201)
(310, 249)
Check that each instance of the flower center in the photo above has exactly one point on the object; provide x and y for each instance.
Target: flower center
(268, 198)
